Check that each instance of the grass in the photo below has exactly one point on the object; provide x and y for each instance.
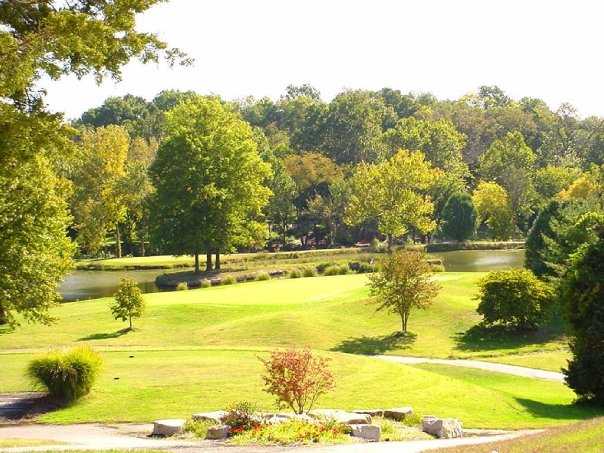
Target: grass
(584, 437)
(11, 443)
(197, 350)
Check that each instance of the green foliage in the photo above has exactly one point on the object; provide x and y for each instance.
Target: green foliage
(393, 194)
(336, 269)
(295, 273)
(182, 286)
(129, 302)
(295, 432)
(514, 298)
(459, 217)
(582, 292)
(209, 181)
(403, 283)
(205, 283)
(198, 428)
(241, 416)
(66, 375)
(309, 272)
(493, 208)
(228, 280)
(551, 180)
(262, 276)
(535, 243)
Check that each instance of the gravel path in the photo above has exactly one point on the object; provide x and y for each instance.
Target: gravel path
(487, 366)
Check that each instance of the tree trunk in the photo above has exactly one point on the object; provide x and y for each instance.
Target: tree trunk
(142, 247)
(3, 316)
(196, 263)
(130, 321)
(208, 261)
(118, 242)
(217, 262)
(389, 240)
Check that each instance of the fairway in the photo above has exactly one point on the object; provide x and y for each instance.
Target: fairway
(176, 360)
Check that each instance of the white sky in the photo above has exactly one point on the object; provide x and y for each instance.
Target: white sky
(548, 49)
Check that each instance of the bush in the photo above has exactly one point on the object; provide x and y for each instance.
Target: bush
(241, 416)
(336, 269)
(205, 283)
(228, 280)
(309, 272)
(182, 286)
(378, 247)
(129, 302)
(361, 267)
(513, 298)
(262, 276)
(295, 432)
(582, 292)
(297, 378)
(66, 375)
(199, 428)
(322, 266)
(295, 273)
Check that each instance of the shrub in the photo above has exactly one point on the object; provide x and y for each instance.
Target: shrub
(199, 428)
(228, 280)
(437, 267)
(297, 378)
(241, 416)
(295, 273)
(309, 272)
(262, 276)
(403, 282)
(362, 267)
(295, 432)
(336, 269)
(129, 302)
(322, 266)
(582, 292)
(205, 283)
(378, 247)
(513, 298)
(66, 375)
(182, 286)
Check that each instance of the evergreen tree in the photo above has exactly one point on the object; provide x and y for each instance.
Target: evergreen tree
(459, 217)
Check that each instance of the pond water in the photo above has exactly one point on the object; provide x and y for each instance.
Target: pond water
(92, 284)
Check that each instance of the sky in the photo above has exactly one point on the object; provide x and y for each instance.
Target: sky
(547, 49)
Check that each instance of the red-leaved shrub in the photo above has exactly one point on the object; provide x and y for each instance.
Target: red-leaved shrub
(297, 378)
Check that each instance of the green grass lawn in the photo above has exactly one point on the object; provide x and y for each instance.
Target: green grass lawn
(197, 350)
(11, 443)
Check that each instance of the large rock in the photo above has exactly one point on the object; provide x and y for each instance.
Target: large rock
(371, 433)
(348, 418)
(214, 417)
(398, 413)
(168, 427)
(372, 412)
(442, 428)
(218, 432)
(275, 419)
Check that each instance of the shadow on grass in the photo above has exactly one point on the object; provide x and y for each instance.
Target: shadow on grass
(376, 345)
(482, 338)
(6, 329)
(105, 336)
(579, 410)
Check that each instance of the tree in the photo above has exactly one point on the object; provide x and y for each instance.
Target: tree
(459, 217)
(281, 211)
(583, 297)
(535, 243)
(98, 203)
(393, 193)
(493, 208)
(550, 181)
(297, 378)
(404, 282)
(37, 39)
(129, 302)
(209, 180)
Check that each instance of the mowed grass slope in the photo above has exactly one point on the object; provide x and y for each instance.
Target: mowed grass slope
(329, 313)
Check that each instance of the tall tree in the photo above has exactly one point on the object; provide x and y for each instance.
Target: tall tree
(209, 181)
(37, 40)
(493, 207)
(459, 217)
(393, 193)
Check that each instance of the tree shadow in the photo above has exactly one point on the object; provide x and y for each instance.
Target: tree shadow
(376, 345)
(105, 336)
(6, 329)
(483, 338)
(573, 411)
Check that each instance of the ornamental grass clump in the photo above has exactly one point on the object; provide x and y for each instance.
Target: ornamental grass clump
(297, 378)
(67, 376)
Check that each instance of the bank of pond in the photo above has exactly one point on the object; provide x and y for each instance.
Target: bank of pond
(91, 284)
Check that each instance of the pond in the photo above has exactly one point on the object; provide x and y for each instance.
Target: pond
(92, 284)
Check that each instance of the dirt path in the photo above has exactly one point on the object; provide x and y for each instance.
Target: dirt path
(130, 436)
(487, 366)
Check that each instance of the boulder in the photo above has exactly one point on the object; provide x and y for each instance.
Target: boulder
(215, 417)
(218, 432)
(398, 413)
(372, 412)
(371, 433)
(446, 428)
(168, 427)
(275, 419)
(348, 418)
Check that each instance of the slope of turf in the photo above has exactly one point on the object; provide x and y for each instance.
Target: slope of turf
(329, 313)
(145, 385)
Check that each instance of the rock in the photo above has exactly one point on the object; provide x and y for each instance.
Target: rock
(215, 417)
(168, 427)
(442, 428)
(218, 432)
(372, 412)
(274, 419)
(348, 418)
(371, 433)
(398, 413)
